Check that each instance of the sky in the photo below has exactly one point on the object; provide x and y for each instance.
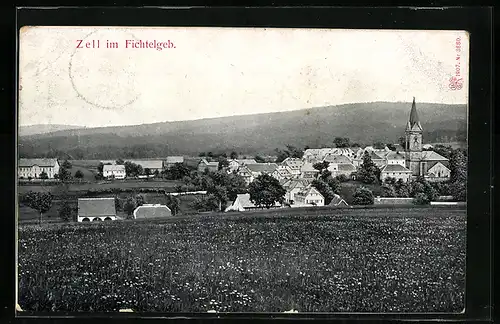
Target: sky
(214, 72)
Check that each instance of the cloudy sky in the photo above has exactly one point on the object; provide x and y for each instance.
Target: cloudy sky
(214, 72)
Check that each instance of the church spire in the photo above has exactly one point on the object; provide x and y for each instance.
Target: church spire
(414, 120)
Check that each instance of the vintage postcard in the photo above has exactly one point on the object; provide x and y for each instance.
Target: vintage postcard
(229, 170)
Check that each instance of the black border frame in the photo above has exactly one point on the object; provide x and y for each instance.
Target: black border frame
(476, 20)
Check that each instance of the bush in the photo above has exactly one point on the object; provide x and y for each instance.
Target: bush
(421, 199)
(342, 178)
(363, 196)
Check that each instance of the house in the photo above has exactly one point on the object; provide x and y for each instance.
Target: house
(32, 168)
(342, 169)
(234, 164)
(96, 209)
(150, 211)
(116, 171)
(428, 164)
(243, 203)
(308, 171)
(293, 164)
(395, 158)
(309, 196)
(251, 171)
(282, 172)
(396, 171)
(337, 201)
(171, 160)
(211, 166)
(294, 186)
(152, 165)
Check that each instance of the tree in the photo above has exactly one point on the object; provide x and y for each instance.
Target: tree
(44, 175)
(173, 203)
(129, 207)
(210, 155)
(66, 164)
(64, 174)
(403, 189)
(341, 142)
(265, 191)
(132, 169)
(325, 175)
(202, 154)
(324, 189)
(78, 174)
(139, 200)
(120, 162)
(391, 147)
(402, 142)
(458, 190)
(363, 196)
(118, 204)
(233, 155)
(220, 193)
(177, 171)
(39, 201)
(458, 166)
(320, 166)
(367, 171)
(421, 199)
(100, 167)
(65, 211)
(147, 172)
(206, 203)
(378, 145)
(223, 163)
(334, 184)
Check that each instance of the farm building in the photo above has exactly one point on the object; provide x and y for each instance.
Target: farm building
(236, 163)
(32, 168)
(211, 166)
(171, 160)
(115, 171)
(309, 196)
(293, 164)
(396, 171)
(337, 201)
(150, 211)
(152, 165)
(96, 209)
(395, 158)
(242, 203)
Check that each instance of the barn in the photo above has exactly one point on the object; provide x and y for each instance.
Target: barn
(96, 209)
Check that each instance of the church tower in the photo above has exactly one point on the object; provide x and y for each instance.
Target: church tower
(413, 141)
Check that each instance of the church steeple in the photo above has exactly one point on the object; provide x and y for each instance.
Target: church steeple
(414, 121)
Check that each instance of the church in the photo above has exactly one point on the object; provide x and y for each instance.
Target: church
(429, 164)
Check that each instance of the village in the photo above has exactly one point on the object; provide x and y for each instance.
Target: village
(296, 178)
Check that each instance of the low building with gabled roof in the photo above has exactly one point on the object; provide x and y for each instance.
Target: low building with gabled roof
(96, 209)
(33, 168)
(211, 166)
(115, 171)
(171, 160)
(396, 171)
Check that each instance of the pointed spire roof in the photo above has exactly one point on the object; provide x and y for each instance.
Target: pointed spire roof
(414, 120)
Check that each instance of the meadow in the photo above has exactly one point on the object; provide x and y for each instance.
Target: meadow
(328, 260)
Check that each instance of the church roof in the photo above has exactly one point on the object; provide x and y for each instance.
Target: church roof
(414, 119)
(432, 156)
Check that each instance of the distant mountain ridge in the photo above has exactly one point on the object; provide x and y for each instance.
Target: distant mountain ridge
(256, 134)
(44, 129)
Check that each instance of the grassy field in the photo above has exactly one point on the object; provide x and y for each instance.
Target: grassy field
(358, 260)
(76, 187)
